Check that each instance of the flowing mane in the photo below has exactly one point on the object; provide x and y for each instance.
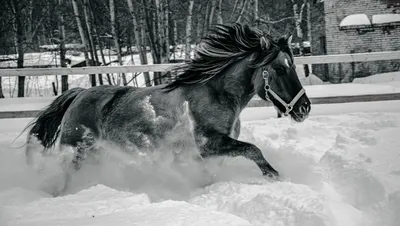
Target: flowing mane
(224, 45)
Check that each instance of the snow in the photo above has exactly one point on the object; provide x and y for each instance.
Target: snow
(355, 20)
(391, 78)
(339, 167)
(386, 18)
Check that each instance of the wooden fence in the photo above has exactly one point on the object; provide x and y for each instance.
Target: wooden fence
(341, 58)
(323, 59)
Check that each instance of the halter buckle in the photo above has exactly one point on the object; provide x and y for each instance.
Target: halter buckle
(265, 74)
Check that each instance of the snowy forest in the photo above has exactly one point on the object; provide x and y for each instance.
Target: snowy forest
(94, 28)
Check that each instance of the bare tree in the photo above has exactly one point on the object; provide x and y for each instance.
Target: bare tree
(298, 15)
(1, 88)
(244, 5)
(233, 10)
(103, 59)
(138, 41)
(89, 27)
(256, 21)
(115, 38)
(219, 12)
(61, 28)
(206, 18)
(16, 7)
(211, 18)
(189, 30)
(167, 27)
(199, 25)
(83, 38)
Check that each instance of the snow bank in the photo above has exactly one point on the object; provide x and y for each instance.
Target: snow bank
(101, 205)
(391, 78)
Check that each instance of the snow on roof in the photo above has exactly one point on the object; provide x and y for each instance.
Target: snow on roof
(355, 20)
(388, 18)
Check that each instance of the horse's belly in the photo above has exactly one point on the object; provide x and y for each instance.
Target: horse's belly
(149, 129)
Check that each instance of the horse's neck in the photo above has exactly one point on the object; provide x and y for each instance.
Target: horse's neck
(234, 87)
(238, 83)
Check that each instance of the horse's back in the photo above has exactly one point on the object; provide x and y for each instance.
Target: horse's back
(144, 117)
(122, 114)
(87, 111)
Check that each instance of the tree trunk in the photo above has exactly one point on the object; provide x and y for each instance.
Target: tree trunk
(19, 28)
(211, 18)
(175, 37)
(241, 11)
(306, 66)
(83, 38)
(256, 21)
(189, 30)
(219, 12)
(158, 29)
(167, 27)
(199, 25)
(167, 44)
(144, 49)
(63, 63)
(206, 16)
(138, 42)
(89, 27)
(115, 38)
(298, 17)
(150, 23)
(103, 59)
(1, 88)
(233, 10)
(309, 22)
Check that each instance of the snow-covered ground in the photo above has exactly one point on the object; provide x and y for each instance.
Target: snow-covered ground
(340, 167)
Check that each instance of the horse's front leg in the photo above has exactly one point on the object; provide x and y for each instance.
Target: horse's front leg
(222, 145)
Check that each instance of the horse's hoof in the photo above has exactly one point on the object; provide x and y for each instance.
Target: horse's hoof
(273, 176)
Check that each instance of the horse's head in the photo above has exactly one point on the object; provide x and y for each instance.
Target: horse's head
(280, 83)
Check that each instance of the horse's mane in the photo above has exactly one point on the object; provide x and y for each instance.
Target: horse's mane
(222, 46)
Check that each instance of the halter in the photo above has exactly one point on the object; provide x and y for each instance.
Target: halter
(288, 107)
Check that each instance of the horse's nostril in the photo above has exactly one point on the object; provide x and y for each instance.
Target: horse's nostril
(303, 109)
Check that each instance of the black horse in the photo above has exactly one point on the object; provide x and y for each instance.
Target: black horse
(232, 64)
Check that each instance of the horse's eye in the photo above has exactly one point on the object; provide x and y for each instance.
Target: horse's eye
(279, 71)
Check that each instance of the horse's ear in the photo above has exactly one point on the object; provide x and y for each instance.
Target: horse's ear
(289, 40)
(264, 43)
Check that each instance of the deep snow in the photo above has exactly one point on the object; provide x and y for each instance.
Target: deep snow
(337, 169)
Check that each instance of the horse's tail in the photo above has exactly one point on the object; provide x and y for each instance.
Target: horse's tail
(45, 127)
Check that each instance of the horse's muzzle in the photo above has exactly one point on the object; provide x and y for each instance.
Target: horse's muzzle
(301, 113)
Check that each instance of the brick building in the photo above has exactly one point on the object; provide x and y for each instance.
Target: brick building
(354, 26)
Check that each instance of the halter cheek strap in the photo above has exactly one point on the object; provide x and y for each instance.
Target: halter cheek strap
(288, 106)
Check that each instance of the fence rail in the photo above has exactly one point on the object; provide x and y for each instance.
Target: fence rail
(252, 103)
(341, 58)
(322, 59)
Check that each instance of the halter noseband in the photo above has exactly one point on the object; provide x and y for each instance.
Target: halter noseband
(288, 107)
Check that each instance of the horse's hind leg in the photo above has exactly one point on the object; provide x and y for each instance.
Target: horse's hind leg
(82, 142)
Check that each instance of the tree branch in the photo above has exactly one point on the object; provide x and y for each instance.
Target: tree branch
(276, 21)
